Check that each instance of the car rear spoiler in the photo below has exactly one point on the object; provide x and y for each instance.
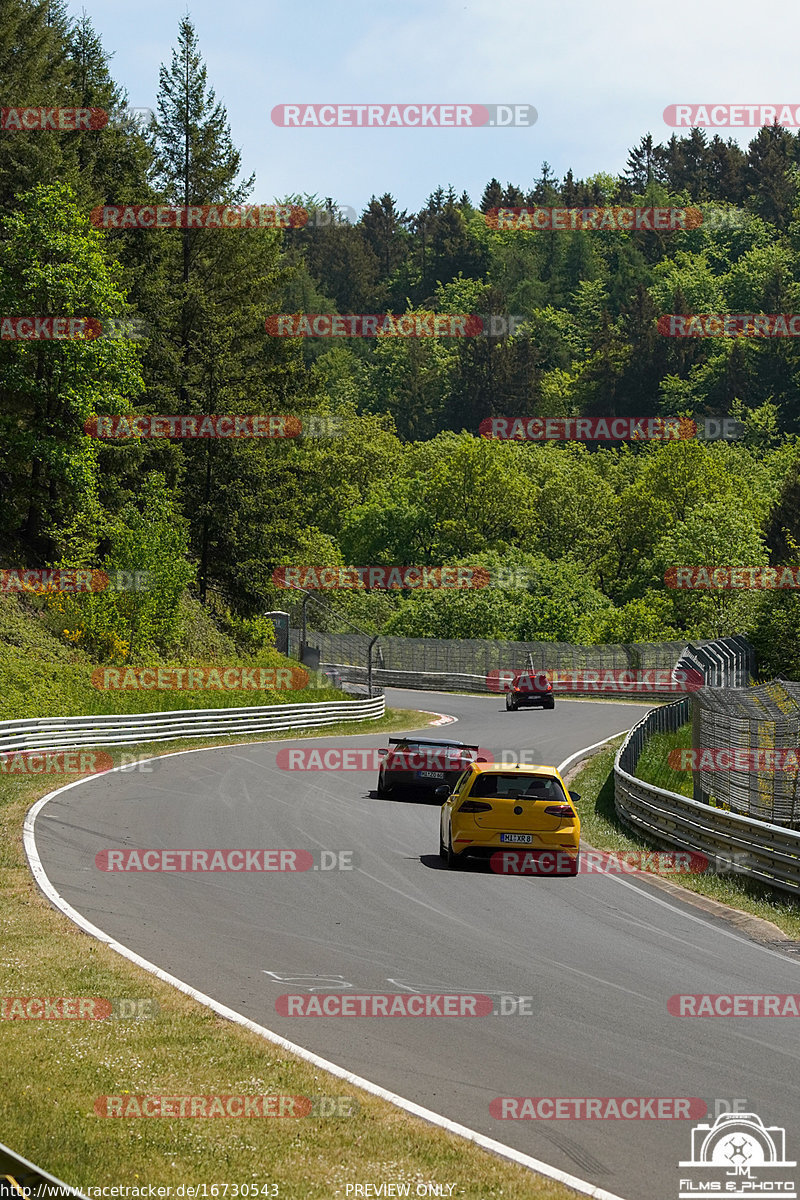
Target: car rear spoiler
(430, 742)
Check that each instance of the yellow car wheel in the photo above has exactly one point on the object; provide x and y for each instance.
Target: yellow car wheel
(454, 861)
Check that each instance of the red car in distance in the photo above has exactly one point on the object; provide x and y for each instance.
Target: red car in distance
(530, 688)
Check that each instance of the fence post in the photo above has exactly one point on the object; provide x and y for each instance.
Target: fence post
(369, 667)
(306, 599)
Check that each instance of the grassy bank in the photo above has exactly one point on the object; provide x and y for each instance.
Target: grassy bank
(43, 675)
(653, 765)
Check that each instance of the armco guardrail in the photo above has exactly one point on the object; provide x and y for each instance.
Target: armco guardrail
(756, 849)
(120, 729)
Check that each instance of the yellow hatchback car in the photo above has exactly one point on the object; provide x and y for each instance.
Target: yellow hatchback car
(495, 808)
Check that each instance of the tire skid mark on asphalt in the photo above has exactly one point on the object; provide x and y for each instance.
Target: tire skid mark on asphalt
(581, 1157)
(647, 929)
(779, 1046)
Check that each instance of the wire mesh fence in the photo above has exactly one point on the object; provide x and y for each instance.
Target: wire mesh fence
(337, 646)
(476, 658)
(755, 720)
(463, 656)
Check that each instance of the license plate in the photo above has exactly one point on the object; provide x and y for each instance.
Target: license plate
(430, 774)
(524, 839)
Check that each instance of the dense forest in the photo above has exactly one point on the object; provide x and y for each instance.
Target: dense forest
(577, 537)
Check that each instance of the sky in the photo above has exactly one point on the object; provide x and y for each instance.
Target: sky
(598, 74)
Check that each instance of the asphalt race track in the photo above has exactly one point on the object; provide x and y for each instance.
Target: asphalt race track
(600, 955)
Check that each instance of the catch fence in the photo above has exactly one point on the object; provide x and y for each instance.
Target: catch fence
(761, 718)
(472, 665)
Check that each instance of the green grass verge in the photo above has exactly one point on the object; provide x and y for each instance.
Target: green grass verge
(56, 1069)
(602, 829)
(653, 765)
